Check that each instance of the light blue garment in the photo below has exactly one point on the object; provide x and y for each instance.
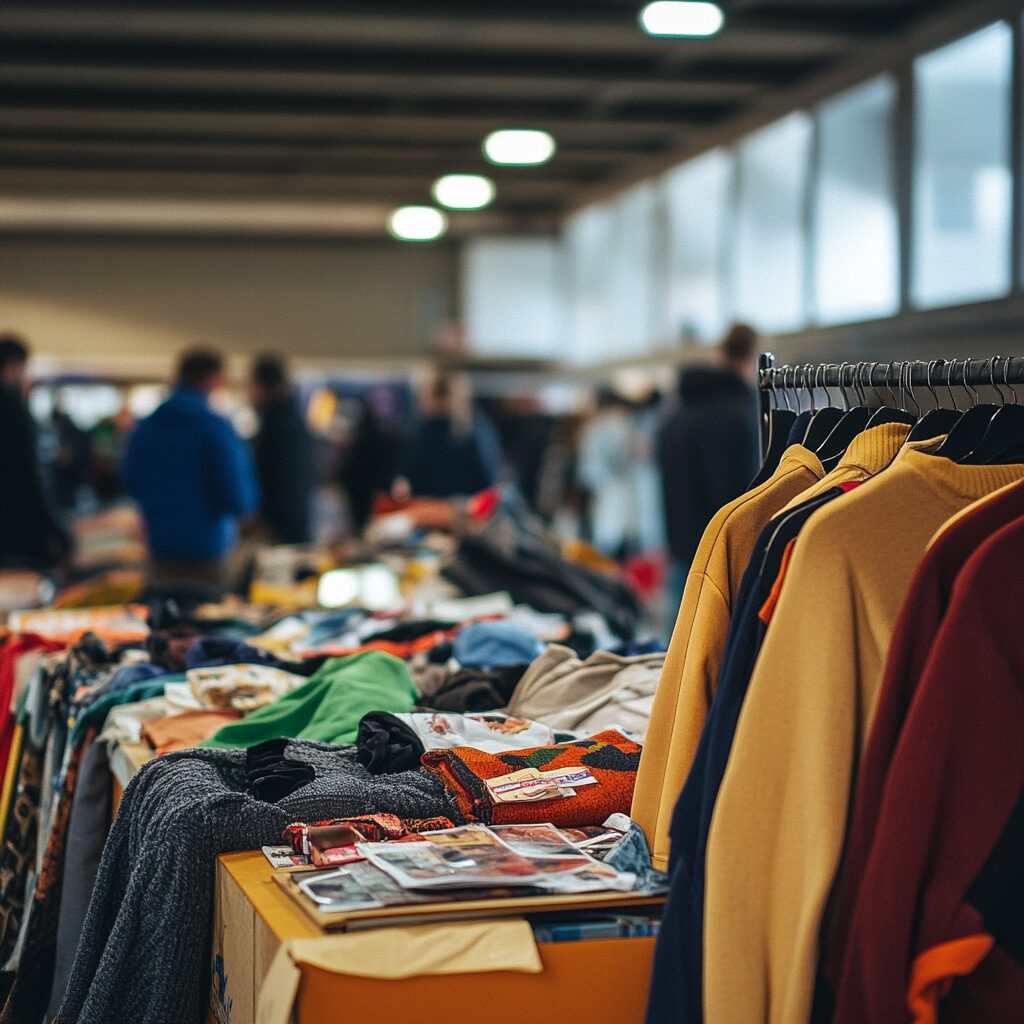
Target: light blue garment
(491, 644)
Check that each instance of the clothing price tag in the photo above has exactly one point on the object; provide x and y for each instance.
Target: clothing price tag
(533, 784)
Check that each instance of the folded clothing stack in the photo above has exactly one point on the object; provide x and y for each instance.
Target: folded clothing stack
(610, 758)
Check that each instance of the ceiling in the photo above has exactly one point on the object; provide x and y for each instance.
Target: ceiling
(359, 106)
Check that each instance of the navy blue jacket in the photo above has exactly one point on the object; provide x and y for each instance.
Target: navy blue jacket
(192, 475)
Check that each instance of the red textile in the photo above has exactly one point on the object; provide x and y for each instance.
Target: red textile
(10, 651)
(923, 610)
(955, 778)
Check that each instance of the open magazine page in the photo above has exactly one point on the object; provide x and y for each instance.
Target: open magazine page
(565, 868)
(360, 885)
(456, 858)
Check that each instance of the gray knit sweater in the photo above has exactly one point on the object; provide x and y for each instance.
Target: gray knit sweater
(144, 953)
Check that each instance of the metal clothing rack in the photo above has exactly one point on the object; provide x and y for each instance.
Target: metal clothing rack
(882, 378)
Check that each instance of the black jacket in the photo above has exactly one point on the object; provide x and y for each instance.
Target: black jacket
(31, 537)
(707, 453)
(286, 467)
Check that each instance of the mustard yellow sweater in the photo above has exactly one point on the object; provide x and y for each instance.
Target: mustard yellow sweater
(695, 651)
(779, 823)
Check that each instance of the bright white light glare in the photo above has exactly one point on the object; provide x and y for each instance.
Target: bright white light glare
(523, 147)
(464, 191)
(681, 18)
(417, 223)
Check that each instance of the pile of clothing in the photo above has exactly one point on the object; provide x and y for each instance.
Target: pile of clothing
(225, 725)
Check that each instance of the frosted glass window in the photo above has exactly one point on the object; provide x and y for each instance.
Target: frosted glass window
(773, 167)
(633, 276)
(856, 232)
(962, 178)
(696, 199)
(588, 243)
(513, 298)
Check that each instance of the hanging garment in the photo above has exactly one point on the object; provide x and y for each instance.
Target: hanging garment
(698, 641)
(586, 696)
(30, 993)
(923, 612)
(329, 706)
(869, 453)
(145, 944)
(87, 832)
(609, 756)
(804, 721)
(941, 901)
(676, 983)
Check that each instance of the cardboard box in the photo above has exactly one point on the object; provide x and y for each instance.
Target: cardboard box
(605, 979)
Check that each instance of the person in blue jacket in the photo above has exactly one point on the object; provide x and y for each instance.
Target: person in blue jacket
(193, 479)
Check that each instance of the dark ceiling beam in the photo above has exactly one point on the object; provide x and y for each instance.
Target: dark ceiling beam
(421, 127)
(392, 84)
(397, 187)
(463, 32)
(571, 163)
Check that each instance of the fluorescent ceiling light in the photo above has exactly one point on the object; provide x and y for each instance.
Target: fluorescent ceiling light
(417, 223)
(681, 18)
(524, 147)
(464, 191)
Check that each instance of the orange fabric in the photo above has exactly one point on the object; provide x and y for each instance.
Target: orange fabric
(179, 732)
(935, 969)
(402, 650)
(768, 608)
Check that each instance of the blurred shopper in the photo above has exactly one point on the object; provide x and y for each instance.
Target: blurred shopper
(368, 467)
(73, 462)
(707, 449)
(285, 455)
(450, 450)
(193, 477)
(606, 470)
(31, 536)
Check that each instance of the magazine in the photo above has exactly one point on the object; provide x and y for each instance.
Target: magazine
(358, 886)
(467, 857)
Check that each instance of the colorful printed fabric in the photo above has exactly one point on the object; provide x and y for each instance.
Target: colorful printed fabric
(30, 994)
(21, 832)
(609, 756)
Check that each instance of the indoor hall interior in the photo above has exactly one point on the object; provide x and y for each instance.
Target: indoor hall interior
(507, 509)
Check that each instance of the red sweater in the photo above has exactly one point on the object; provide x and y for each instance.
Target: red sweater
(931, 919)
(919, 622)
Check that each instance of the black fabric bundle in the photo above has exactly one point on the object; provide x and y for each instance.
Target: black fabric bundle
(535, 573)
(475, 689)
(385, 744)
(143, 954)
(272, 775)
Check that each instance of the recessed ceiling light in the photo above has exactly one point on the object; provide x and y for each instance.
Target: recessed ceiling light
(681, 18)
(417, 223)
(464, 191)
(523, 147)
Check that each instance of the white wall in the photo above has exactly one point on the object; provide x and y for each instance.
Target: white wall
(129, 305)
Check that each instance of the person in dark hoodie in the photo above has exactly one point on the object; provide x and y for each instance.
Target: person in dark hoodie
(31, 535)
(284, 452)
(707, 449)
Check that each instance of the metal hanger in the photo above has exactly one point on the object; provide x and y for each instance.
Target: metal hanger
(852, 423)
(1003, 440)
(822, 421)
(886, 413)
(965, 435)
(937, 421)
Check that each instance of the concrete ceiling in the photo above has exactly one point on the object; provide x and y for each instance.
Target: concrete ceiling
(351, 106)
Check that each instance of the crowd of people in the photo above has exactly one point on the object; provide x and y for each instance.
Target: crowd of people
(633, 477)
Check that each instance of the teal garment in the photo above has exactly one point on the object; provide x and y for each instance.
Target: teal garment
(96, 713)
(330, 706)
